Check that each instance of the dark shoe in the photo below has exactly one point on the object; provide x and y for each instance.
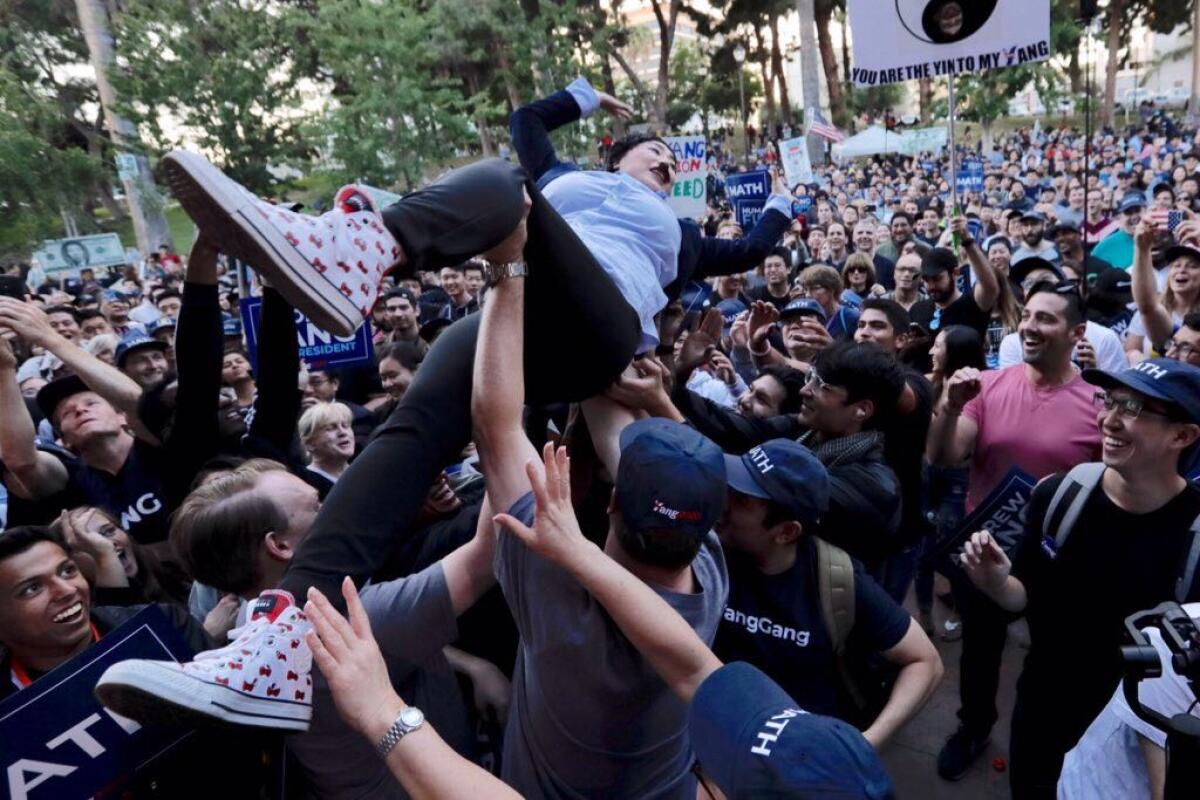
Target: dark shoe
(959, 752)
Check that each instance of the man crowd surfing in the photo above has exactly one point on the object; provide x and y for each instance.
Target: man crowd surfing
(629, 506)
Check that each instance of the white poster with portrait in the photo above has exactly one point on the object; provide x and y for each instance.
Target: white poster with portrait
(904, 40)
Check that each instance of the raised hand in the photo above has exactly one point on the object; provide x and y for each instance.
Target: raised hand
(739, 332)
(555, 534)
(26, 320)
(348, 656)
(1145, 234)
(641, 386)
(713, 324)
(985, 562)
(618, 109)
(513, 245)
(1085, 354)
(963, 387)
(763, 315)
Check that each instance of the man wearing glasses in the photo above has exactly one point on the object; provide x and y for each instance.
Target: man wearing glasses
(1037, 415)
(1127, 551)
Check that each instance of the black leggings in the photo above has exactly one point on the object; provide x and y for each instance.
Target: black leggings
(579, 334)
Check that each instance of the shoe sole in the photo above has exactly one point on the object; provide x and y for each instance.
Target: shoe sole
(233, 221)
(152, 692)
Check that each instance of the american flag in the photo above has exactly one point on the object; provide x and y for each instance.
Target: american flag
(820, 126)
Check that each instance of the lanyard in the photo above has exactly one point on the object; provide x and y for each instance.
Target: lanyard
(20, 676)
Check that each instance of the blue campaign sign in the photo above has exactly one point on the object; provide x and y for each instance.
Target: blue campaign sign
(748, 192)
(928, 166)
(319, 349)
(970, 177)
(802, 204)
(60, 742)
(1002, 513)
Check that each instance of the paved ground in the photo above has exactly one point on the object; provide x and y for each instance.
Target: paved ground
(912, 756)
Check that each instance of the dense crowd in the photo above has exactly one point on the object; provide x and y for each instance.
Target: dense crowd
(624, 505)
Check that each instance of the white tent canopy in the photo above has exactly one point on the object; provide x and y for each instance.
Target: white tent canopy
(872, 141)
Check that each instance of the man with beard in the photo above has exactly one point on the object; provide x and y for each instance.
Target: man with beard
(1033, 240)
(947, 305)
(986, 417)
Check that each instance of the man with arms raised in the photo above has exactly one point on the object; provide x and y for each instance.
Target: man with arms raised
(589, 716)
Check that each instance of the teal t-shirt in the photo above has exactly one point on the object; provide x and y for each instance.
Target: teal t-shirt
(1116, 249)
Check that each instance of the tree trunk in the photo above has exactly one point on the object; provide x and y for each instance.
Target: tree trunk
(845, 20)
(610, 87)
(810, 72)
(500, 48)
(145, 203)
(486, 143)
(925, 99)
(762, 55)
(837, 102)
(1116, 9)
(666, 41)
(1074, 70)
(1194, 101)
(985, 136)
(777, 68)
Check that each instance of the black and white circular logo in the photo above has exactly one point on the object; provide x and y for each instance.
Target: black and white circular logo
(944, 21)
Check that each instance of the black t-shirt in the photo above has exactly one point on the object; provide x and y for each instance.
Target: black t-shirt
(963, 311)
(135, 495)
(774, 622)
(764, 293)
(1112, 564)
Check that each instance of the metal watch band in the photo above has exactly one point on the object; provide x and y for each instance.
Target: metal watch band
(513, 269)
(399, 730)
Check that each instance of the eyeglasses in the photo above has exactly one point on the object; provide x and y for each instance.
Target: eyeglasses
(853, 270)
(1129, 407)
(1183, 352)
(817, 382)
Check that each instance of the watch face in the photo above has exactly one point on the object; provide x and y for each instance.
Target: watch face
(412, 717)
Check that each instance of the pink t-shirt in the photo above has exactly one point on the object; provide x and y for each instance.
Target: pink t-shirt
(1040, 430)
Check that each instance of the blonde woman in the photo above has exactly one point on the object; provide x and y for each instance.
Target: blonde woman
(327, 435)
(1158, 315)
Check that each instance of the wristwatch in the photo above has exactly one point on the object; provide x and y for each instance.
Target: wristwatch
(513, 269)
(409, 720)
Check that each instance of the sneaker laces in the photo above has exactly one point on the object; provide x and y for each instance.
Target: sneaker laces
(240, 636)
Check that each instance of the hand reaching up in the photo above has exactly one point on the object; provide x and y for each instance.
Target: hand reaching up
(555, 534)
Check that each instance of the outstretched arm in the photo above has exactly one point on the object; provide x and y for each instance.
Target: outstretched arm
(31, 473)
(348, 656)
(531, 125)
(1155, 317)
(498, 396)
(677, 654)
(987, 285)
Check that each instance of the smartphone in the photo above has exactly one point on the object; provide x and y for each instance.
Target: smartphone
(12, 286)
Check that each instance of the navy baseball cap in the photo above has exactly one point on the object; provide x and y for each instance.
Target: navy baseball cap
(134, 342)
(786, 472)
(1132, 200)
(671, 477)
(160, 324)
(1034, 215)
(729, 310)
(1163, 379)
(1182, 251)
(54, 392)
(1020, 270)
(802, 306)
(754, 741)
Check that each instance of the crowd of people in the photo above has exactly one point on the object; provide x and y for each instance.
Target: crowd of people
(626, 505)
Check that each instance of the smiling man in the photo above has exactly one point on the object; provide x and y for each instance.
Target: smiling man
(986, 417)
(1128, 550)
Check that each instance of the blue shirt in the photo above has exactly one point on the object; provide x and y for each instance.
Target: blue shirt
(628, 227)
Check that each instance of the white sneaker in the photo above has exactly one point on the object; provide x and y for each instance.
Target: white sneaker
(264, 678)
(329, 266)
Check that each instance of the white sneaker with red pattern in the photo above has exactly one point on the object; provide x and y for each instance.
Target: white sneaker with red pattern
(329, 266)
(264, 678)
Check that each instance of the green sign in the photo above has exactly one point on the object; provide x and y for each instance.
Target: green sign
(127, 166)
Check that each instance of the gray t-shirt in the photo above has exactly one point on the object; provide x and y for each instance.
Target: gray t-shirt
(589, 716)
(412, 619)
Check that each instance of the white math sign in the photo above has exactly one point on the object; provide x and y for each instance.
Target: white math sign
(904, 40)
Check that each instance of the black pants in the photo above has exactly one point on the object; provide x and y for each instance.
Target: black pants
(579, 334)
(1037, 747)
(985, 631)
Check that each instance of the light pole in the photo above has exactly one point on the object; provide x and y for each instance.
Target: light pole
(739, 55)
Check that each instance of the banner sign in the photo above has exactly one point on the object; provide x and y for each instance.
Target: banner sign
(127, 166)
(1002, 514)
(969, 177)
(689, 194)
(60, 742)
(802, 204)
(319, 349)
(923, 140)
(906, 40)
(748, 192)
(73, 254)
(796, 166)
